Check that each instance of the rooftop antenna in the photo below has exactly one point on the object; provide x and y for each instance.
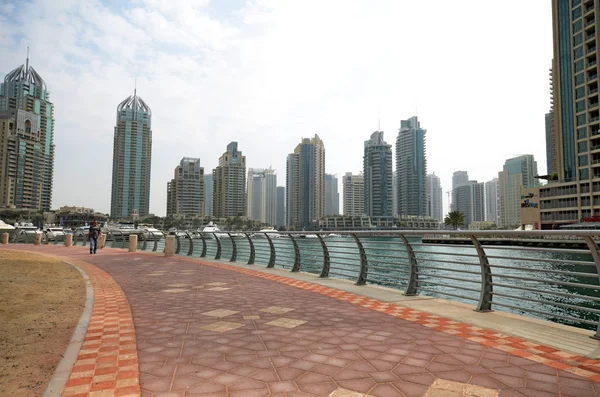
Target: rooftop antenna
(134, 87)
(27, 61)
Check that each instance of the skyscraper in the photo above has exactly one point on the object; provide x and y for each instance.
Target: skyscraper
(411, 168)
(491, 201)
(518, 172)
(26, 140)
(470, 201)
(305, 187)
(332, 195)
(186, 191)
(395, 193)
(280, 206)
(208, 192)
(132, 155)
(377, 171)
(551, 148)
(458, 178)
(262, 195)
(354, 194)
(435, 207)
(229, 184)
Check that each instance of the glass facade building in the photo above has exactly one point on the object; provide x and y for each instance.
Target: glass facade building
(26, 141)
(411, 168)
(132, 155)
(378, 174)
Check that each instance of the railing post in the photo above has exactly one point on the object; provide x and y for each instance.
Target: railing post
(487, 289)
(252, 252)
(413, 277)
(191, 249)
(178, 243)
(326, 258)
(218, 254)
(272, 248)
(156, 240)
(595, 251)
(203, 253)
(363, 272)
(145, 238)
(296, 266)
(233, 248)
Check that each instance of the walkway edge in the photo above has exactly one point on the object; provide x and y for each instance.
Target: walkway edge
(63, 370)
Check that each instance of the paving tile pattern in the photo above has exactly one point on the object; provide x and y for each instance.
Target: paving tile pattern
(343, 341)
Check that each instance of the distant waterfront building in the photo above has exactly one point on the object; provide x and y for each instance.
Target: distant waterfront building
(186, 191)
(208, 192)
(305, 184)
(262, 195)
(132, 155)
(280, 206)
(470, 201)
(411, 168)
(395, 193)
(229, 184)
(518, 173)
(491, 201)
(354, 194)
(26, 141)
(332, 195)
(458, 178)
(551, 144)
(435, 208)
(377, 173)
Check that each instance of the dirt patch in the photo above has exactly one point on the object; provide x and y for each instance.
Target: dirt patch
(41, 301)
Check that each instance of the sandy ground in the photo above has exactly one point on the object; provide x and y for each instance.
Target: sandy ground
(41, 301)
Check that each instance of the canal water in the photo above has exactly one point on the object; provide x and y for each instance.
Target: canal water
(525, 281)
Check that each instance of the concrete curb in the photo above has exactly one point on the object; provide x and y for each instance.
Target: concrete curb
(63, 370)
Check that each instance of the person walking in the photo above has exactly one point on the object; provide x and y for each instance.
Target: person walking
(94, 234)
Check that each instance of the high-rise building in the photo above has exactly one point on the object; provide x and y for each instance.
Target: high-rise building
(332, 195)
(208, 192)
(551, 148)
(470, 201)
(132, 155)
(186, 192)
(458, 178)
(280, 206)
(491, 201)
(354, 194)
(305, 187)
(377, 172)
(518, 172)
(262, 195)
(395, 193)
(411, 168)
(435, 207)
(229, 184)
(572, 196)
(26, 140)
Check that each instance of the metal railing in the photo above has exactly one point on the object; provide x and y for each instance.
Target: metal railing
(553, 275)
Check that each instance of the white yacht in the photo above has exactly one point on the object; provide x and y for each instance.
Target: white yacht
(5, 227)
(211, 230)
(25, 230)
(53, 233)
(151, 233)
(271, 231)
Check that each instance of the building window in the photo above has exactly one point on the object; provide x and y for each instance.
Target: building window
(583, 160)
(577, 13)
(580, 92)
(581, 132)
(579, 66)
(580, 106)
(578, 52)
(578, 39)
(582, 147)
(584, 174)
(579, 79)
(581, 119)
(577, 26)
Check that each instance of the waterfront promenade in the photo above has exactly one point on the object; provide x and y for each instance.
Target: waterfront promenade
(178, 326)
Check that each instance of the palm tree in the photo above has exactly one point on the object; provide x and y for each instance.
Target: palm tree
(454, 219)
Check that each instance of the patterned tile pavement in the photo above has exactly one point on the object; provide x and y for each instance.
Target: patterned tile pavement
(331, 339)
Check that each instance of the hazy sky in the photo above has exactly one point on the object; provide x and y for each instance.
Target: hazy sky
(268, 72)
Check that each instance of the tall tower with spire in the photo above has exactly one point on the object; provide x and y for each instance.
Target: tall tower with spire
(26, 140)
(132, 155)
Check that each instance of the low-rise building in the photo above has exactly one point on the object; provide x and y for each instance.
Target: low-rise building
(482, 225)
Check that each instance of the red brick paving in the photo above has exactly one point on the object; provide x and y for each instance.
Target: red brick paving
(343, 341)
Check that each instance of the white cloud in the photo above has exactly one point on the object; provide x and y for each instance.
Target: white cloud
(273, 72)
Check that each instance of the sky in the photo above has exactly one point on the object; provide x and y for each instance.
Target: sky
(267, 73)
